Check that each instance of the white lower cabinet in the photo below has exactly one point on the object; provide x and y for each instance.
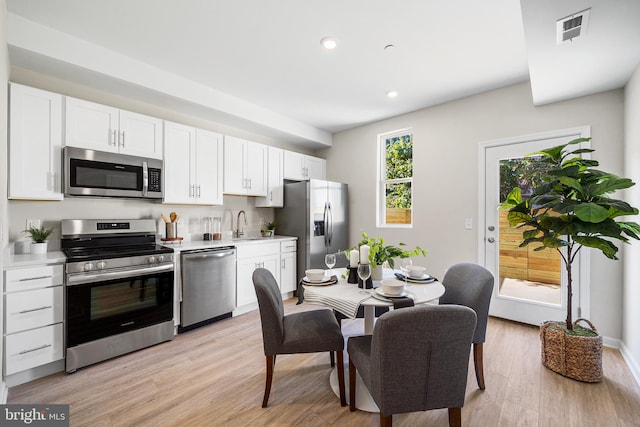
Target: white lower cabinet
(288, 277)
(34, 316)
(249, 258)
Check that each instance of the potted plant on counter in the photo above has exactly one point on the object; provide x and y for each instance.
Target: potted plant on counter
(380, 253)
(570, 210)
(39, 236)
(269, 229)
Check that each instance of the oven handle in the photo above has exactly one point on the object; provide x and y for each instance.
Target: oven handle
(83, 278)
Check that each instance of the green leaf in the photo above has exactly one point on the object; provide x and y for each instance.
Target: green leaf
(608, 249)
(591, 212)
(513, 199)
(571, 182)
(529, 234)
(610, 185)
(631, 229)
(516, 218)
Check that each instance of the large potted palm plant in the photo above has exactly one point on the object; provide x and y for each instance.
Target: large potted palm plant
(571, 209)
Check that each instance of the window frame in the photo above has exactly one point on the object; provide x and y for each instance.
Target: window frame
(382, 182)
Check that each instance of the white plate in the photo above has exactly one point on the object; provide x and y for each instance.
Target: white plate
(326, 280)
(424, 279)
(380, 292)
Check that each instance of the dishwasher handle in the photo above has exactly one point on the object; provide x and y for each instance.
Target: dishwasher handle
(207, 254)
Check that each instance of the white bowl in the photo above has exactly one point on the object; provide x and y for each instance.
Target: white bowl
(315, 274)
(392, 287)
(416, 272)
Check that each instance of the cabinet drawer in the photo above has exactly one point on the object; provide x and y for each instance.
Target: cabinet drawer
(33, 309)
(29, 349)
(257, 250)
(22, 279)
(288, 246)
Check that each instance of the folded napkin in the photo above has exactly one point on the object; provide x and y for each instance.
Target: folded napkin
(300, 290)
(343, 298)
(402, 302)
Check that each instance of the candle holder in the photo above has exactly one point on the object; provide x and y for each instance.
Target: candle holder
(353, 275)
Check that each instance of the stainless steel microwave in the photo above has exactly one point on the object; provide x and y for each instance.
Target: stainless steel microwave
(102, 174)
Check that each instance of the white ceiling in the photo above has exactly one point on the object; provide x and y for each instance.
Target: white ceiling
(258, 64)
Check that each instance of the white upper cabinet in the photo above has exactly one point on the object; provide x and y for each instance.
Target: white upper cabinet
(35, 144)
(275, 181)
(192, 165)
(300, 167)
(245, 167)
(100, 127)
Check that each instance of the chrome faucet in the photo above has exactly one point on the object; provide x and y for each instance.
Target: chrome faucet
(239, 232)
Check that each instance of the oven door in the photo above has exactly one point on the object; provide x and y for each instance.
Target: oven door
(101, 307)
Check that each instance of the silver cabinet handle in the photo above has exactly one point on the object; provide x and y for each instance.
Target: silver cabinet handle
(28, 279)
(35, 349)
(192, 191)
(250, 186)
(122, 138)
(198, 191)
(271, 196)
(115, 138)
(282, 264)
(35, 309)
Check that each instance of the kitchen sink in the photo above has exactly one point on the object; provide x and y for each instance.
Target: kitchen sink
(245, 239)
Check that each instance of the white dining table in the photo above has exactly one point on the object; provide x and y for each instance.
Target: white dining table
(347, 298)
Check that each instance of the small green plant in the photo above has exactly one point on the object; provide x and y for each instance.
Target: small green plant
(270, 226)
(379, 253)
(39, 234)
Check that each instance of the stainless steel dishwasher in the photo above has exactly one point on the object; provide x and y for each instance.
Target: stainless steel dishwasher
(208, 286)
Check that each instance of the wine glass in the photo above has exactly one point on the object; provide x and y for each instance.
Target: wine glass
(364, 271)
(330, 261)
(405, 265)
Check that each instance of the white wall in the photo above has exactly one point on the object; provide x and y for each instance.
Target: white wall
(446, 141)
(631, 292)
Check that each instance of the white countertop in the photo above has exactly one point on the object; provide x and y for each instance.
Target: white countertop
(56, 257)
(185, 245)
(28, 260)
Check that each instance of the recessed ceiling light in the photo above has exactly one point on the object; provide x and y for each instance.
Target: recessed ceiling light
(329, 42)
(392, 94)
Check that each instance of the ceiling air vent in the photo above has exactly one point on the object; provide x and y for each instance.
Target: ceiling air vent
(572, 26)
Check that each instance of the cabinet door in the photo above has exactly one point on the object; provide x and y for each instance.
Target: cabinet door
(293, 166)
(90, 125)
(245, 293)
(315, 168)
(288, 272)
(140, 135)
(256, 169)
(208, 165)
(33, 348)
(234, 154)
(275, 185)
(272, 263)
(179, 183)
(35, 144)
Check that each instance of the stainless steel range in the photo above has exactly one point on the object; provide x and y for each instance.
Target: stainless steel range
(119, 289)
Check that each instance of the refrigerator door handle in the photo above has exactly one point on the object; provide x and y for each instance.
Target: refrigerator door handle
(326, 224)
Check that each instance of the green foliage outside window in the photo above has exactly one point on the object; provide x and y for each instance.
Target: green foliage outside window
(524, 173)
(399, 165)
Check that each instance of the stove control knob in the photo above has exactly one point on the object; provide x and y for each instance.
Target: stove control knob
(160, 258)
(100, 265)
(151, 259)
(88, 266)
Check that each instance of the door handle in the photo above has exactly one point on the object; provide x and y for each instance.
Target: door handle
(491, 240)
(491, 228)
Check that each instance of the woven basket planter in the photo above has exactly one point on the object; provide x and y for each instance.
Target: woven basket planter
(576, 357)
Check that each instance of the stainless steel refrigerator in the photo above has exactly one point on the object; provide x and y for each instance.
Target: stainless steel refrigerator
(317, 213)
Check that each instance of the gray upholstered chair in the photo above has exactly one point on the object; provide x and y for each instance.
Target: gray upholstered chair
(471, 285)
(305, 332)
(417, 359)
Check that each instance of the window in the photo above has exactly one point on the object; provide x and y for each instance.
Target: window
(395, 188)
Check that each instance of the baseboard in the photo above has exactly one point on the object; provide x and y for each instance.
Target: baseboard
(634, 365)
(611, 342)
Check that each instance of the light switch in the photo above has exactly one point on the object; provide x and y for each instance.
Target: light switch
(468, 223)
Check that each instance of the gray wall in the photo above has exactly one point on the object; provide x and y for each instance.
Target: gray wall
(446, 141)
(631, 293)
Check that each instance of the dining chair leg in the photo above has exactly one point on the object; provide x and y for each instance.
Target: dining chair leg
(333, 361)
(386, 420)
(455, 417)
(352, 386)
(343, 398)
(477, 361)
(271, 361)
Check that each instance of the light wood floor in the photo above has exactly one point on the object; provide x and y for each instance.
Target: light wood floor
(214, 376)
